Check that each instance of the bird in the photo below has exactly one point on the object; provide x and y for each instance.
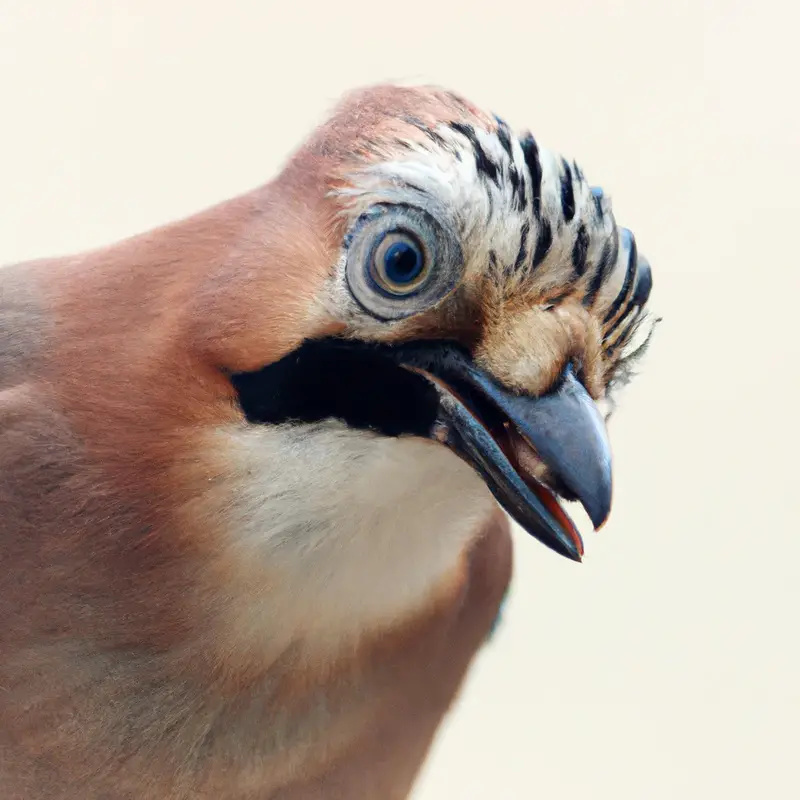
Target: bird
(259, 465)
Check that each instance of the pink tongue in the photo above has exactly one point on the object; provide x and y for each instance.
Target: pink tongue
(529, 463)
(524, 459)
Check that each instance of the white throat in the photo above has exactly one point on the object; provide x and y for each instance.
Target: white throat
(345, 531)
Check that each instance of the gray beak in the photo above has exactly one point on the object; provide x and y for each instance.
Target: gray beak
(564, 427)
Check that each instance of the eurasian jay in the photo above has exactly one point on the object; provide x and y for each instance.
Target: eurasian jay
(256, 465)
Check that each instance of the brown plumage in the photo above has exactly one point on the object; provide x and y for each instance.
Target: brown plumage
(196, 601)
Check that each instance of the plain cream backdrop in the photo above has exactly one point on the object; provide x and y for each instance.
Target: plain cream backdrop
(668, 664)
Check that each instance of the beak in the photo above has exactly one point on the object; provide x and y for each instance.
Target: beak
(434, 389)
(488, 426)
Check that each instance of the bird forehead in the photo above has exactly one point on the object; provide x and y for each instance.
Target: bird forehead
(531, 232)
(519, 210)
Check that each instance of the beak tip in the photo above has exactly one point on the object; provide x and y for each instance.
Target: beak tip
(573, 554)
(599, 517)
(599, 524)
(571, 548)
(598, 504)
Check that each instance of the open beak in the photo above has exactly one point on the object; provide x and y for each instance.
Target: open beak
(434, 389)
(491, 427)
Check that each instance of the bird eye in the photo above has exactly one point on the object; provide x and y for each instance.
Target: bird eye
(399, 264)
(401, 260)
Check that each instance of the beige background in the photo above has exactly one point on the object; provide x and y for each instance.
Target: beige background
(668, 665)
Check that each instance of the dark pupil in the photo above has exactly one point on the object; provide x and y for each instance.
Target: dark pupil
(402, 262)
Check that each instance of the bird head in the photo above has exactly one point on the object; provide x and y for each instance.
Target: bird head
(251, 458)
(459, 285)
(339, 374)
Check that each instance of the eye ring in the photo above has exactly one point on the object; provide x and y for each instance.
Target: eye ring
(401, 260)
(399, 264)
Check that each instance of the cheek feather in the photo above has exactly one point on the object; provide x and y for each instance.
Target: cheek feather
(594, 377)
(528, 350)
